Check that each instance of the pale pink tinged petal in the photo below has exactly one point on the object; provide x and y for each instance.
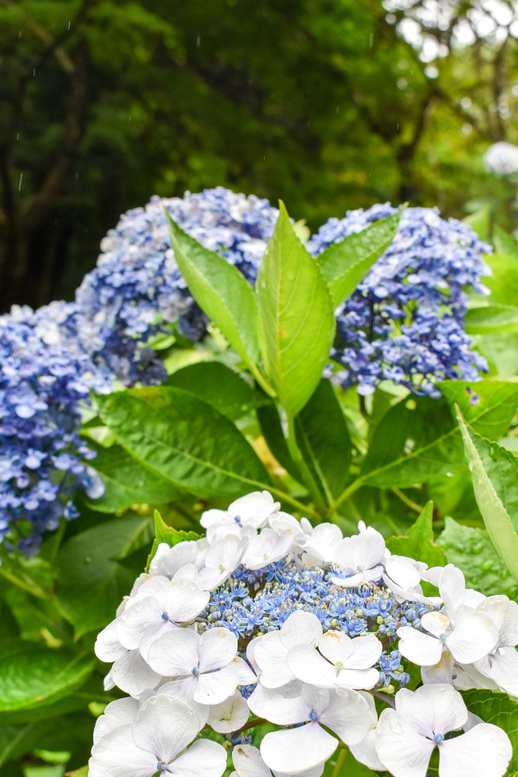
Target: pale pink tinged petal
(108, 646)
(174, 653)
(436, 623)
(132, 675)
(245, 675)
(248, 762)
(360, 679)
(117, 755)
(204, 758)
(121, 712)
(402, 751)
(504, 615)
(502, 668)
(483, 751)
(473, 637)
(184, 601)
(164, 726)
(309, 666)
(365, 752)
(230, 715)
(283, 707)
(365, 652)
(136, 622)
(298, 749)
(441, 672)
(441, 708)
(215, 687)
(301, 628)
(452, 588)
(217, 647)
(402, 571)
(347, 715)
(419, 648)
(336, 646)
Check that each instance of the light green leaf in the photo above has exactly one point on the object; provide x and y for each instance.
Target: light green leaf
(473, 552)
(419, 544)
(495, 483)
(491, 318)
(503, 281)
(93, 574)
(31, 675)
(221, 292)
(323, 439)
(496, 708)
(503, 242)
(480, 222)
(127, 482)
(219, 386)
(185, 440)
(169, 535)
(345, 264)
(297, 316)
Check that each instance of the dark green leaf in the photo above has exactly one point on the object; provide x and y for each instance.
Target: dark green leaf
(31, 675)
(345, 264)
(221, 292)
(219, 386)
(184, 440)
(473, 552)
(127, 481)
(297, 316)
(496, 708)
(419, 544)
(33, 575)
(92, 574)
(323, 438)
(495, 483)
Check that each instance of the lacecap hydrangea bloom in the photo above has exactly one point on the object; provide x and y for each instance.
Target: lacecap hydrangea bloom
(45, 377)
(269, 620)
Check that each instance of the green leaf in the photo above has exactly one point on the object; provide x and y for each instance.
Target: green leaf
(93, 575)
(491, 318)
(480, 222)
(185, 440)
(473, 552)
(503, 281)
(496, 708)
(495, 483)
(297, 316)
(271, 429)
(219, 386)
(127, 482)
(169, 535)
(15, 741)
(419, 544)
(31, 675)
(503, 242)
(323, 439)
(418, 438)
(221, 292)
(33, 575)
(345, 264)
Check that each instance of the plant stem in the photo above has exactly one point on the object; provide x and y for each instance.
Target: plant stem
(404, 498)
(259, 378)
(349, 491)
(304, 509)
(301, 465)
(339, 762)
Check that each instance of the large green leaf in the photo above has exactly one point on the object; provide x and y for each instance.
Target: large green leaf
(345, 264)
(127, 481)
(495, 483)
(496, 708)
(33, 575)
(185, 440)
(419, 544)
(503, 242)
(491, 318)
(480, 222)
(72, 733)
(221, 292)
(323, 439)
(219, 386)
(297, 316)
(473, 552)
(32, 675)
(503, 281)
(93, 575)
(418, 438)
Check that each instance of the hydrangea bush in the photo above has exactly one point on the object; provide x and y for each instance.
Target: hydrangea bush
(269, 620)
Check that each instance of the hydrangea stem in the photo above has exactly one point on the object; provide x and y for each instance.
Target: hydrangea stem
(303, 468)
(339, 762)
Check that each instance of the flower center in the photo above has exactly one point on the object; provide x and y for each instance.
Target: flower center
(195, 671)
(165, 616)
(438, 738)
(313, 715)
(339, 666)
(237, 518)
(161, 766)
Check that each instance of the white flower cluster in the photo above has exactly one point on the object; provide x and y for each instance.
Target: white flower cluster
(269, 620)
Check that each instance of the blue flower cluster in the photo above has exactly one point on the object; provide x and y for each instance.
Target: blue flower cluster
(137, 285)
(44, 380)
(255, 602)
(405, 322)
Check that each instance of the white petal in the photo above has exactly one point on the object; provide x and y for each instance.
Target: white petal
(255, 508)
(108, 646)
(419, 648)
(361, 679)
(336, 646)
(502, 667)
(215, 687)
(230, 715)
(283, 706)
(347, 715)
(483, 751)
(441, 672)
(365, 652)
(309, 666)
(164, 726)
(217, 647)
(504, 615)
(144, 618)
(132, 675)
(365, 752)
(117, 755)
(402, 751)
(184, 601)
(301, 628)
(452, 589)
(270, 655)
(267, 547)
(402, 571)
(473, 637)
(203, 759)
(432, 709)
(183, 690)
(298, 749)
(245, 675)
(436, 623)
(174, 653)
(248, 762)
(117, 713)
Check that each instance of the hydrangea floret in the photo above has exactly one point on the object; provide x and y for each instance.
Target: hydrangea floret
(304, 645)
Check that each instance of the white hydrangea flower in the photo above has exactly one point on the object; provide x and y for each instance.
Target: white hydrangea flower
(267, 547)
(248, 763)
(250, 511)
(359, 558)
